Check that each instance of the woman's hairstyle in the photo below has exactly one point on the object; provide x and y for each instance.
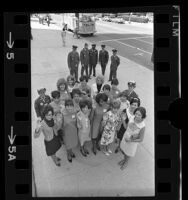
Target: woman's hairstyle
(69, 102)
(106, 87)
(116, 104)
(82, 78)
(84, 103)
(70, 77)
(142, 110)
(101, 78)
(76, 91)
(115, 81)
(135, 100)
(55, 94)
(124, 94)
(47, 109)
(61, 81)
(101, 96)
(86, 91)
(42, 90)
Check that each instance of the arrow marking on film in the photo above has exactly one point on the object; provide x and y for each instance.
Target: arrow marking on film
(9, 43)
(11, 137)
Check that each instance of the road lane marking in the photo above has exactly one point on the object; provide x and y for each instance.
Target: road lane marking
(133, 47)
(123, 39)
(144, 41)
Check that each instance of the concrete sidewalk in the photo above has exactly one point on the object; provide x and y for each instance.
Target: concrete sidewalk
(95, 175)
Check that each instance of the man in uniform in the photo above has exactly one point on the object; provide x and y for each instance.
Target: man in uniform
(103, 58)
(73, 62)
(41, 102)
(84, 58)
(115, 61)
(93, 59)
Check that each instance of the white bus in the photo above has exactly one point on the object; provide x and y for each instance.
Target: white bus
(85, 24)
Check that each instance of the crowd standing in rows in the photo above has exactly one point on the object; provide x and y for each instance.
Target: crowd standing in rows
(101, 113)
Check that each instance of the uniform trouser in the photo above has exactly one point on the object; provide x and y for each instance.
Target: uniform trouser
(84, 68)
(103, 68)
(74, 72)
(113, 73)
(92, 66)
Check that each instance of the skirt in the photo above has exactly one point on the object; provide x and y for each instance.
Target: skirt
(121, 132)
(129, 148)
(52, 146)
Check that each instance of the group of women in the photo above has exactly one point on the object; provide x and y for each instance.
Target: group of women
(100, 113)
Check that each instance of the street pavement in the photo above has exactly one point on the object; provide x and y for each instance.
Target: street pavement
(95, 175)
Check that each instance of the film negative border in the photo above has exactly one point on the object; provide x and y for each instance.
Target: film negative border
(18, 136)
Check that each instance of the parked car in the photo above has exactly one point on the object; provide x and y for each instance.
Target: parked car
(120, 20)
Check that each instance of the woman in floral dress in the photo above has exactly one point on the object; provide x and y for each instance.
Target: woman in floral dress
(111, 122)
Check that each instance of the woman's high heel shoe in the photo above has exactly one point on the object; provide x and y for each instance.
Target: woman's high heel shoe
(83, 153)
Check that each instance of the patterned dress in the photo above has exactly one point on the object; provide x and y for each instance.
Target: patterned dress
(110, 122)
(129, 148)
(83, 127)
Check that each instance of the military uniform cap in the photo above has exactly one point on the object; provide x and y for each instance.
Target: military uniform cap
(93, 45)
(74, 46)
(103, 45)
(132, 83)
(114, 50)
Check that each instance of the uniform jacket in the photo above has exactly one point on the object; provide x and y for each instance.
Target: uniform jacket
(73, 59)
(84, 56)
(40, 103)
(115, 61)
(93, 56)
(103, 56)
(131, 95)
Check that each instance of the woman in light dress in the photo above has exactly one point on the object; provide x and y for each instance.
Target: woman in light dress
(83, 124)
(133, 136)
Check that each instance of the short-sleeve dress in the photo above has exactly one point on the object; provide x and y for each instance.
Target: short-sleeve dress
(84, 131)
(111, 121)
(133, 128)
(97, 118)
(70, 129)
(51, 141)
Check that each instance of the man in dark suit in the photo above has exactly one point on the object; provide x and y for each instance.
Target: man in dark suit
(103, 59)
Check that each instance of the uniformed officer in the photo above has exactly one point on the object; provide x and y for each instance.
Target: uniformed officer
(73, 62)
(41, 102)
(93, 59)
(84, 58)
(115, 61)
(103, 58)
